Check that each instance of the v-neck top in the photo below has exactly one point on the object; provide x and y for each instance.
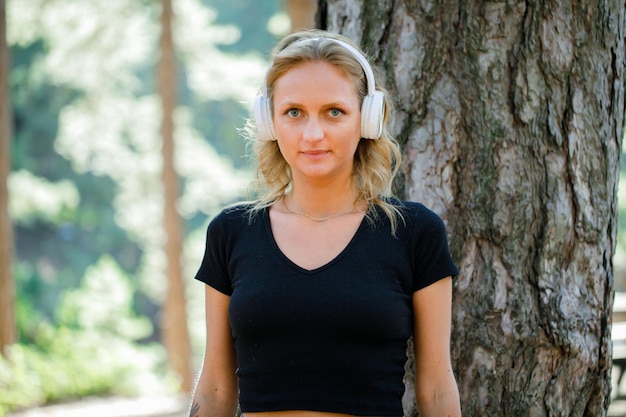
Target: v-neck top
(270, 233)
(333, 338)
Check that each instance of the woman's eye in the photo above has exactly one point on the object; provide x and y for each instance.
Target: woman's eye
(335, 112)
(293, 112)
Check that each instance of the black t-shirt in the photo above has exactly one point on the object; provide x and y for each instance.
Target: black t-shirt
(334, 338)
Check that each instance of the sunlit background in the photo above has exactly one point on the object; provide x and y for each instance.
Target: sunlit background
(86, 195)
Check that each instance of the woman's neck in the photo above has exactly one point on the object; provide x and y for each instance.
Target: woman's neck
(321, 201)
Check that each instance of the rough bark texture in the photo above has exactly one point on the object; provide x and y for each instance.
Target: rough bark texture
(174, 321)
(511, 116)
(7, 321)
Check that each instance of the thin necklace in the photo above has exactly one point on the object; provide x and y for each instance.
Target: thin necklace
(320, 219)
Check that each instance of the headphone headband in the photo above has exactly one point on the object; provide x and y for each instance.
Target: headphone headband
(372, 108)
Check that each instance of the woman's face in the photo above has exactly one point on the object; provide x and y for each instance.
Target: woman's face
(317, 120)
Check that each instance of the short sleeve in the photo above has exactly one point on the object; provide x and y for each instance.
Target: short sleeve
(432, 259)
(213, 270)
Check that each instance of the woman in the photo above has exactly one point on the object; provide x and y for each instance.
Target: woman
(314, 289)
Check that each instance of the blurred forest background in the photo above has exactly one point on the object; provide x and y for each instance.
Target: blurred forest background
(85, 187)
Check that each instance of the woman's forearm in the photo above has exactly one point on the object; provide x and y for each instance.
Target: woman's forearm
(213, 403)
(439, 404)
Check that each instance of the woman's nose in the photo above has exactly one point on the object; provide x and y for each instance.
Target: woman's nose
(313, 129)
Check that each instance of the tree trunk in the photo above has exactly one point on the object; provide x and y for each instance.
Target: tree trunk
(301, 13)
(7, 318)
(511, 116)
(174, 317)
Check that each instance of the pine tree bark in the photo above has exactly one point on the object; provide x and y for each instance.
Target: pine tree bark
(511, 116)
(7, 292)
(174, 318)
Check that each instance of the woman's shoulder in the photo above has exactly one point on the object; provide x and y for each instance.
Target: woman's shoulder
(414, 212)
(410, 208)
(415, 207)
(238, 208)
(242, 211)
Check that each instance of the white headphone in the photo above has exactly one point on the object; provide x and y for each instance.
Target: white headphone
(372, 109)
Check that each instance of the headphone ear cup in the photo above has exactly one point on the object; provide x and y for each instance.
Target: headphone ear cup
(263, 118)
(372, 113)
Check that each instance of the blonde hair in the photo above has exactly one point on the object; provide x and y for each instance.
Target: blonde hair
(376, 161)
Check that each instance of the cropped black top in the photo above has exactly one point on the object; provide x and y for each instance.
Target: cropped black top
(334, 338)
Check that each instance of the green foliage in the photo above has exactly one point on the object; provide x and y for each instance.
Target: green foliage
(253, 17)
(63, 218)
(45, 201)
(103, 304)
(90, 350)
(86, 179)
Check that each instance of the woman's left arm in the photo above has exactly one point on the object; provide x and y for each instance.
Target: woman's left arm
(436, 390)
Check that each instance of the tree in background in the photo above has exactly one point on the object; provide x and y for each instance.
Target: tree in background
(7, 322)
(87, 147)
(301, 13)
(174, 328)
(511, 115)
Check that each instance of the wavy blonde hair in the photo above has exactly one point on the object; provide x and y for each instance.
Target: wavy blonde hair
(376, 161)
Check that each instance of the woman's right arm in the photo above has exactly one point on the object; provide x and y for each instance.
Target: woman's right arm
(216, 392)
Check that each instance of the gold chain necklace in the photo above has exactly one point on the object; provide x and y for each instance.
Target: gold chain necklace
(320, 219)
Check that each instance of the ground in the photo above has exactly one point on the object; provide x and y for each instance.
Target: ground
(113, 407)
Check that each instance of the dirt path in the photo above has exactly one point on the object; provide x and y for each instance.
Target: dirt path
(113, 407)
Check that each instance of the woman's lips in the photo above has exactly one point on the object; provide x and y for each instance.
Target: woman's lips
(315, 154)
